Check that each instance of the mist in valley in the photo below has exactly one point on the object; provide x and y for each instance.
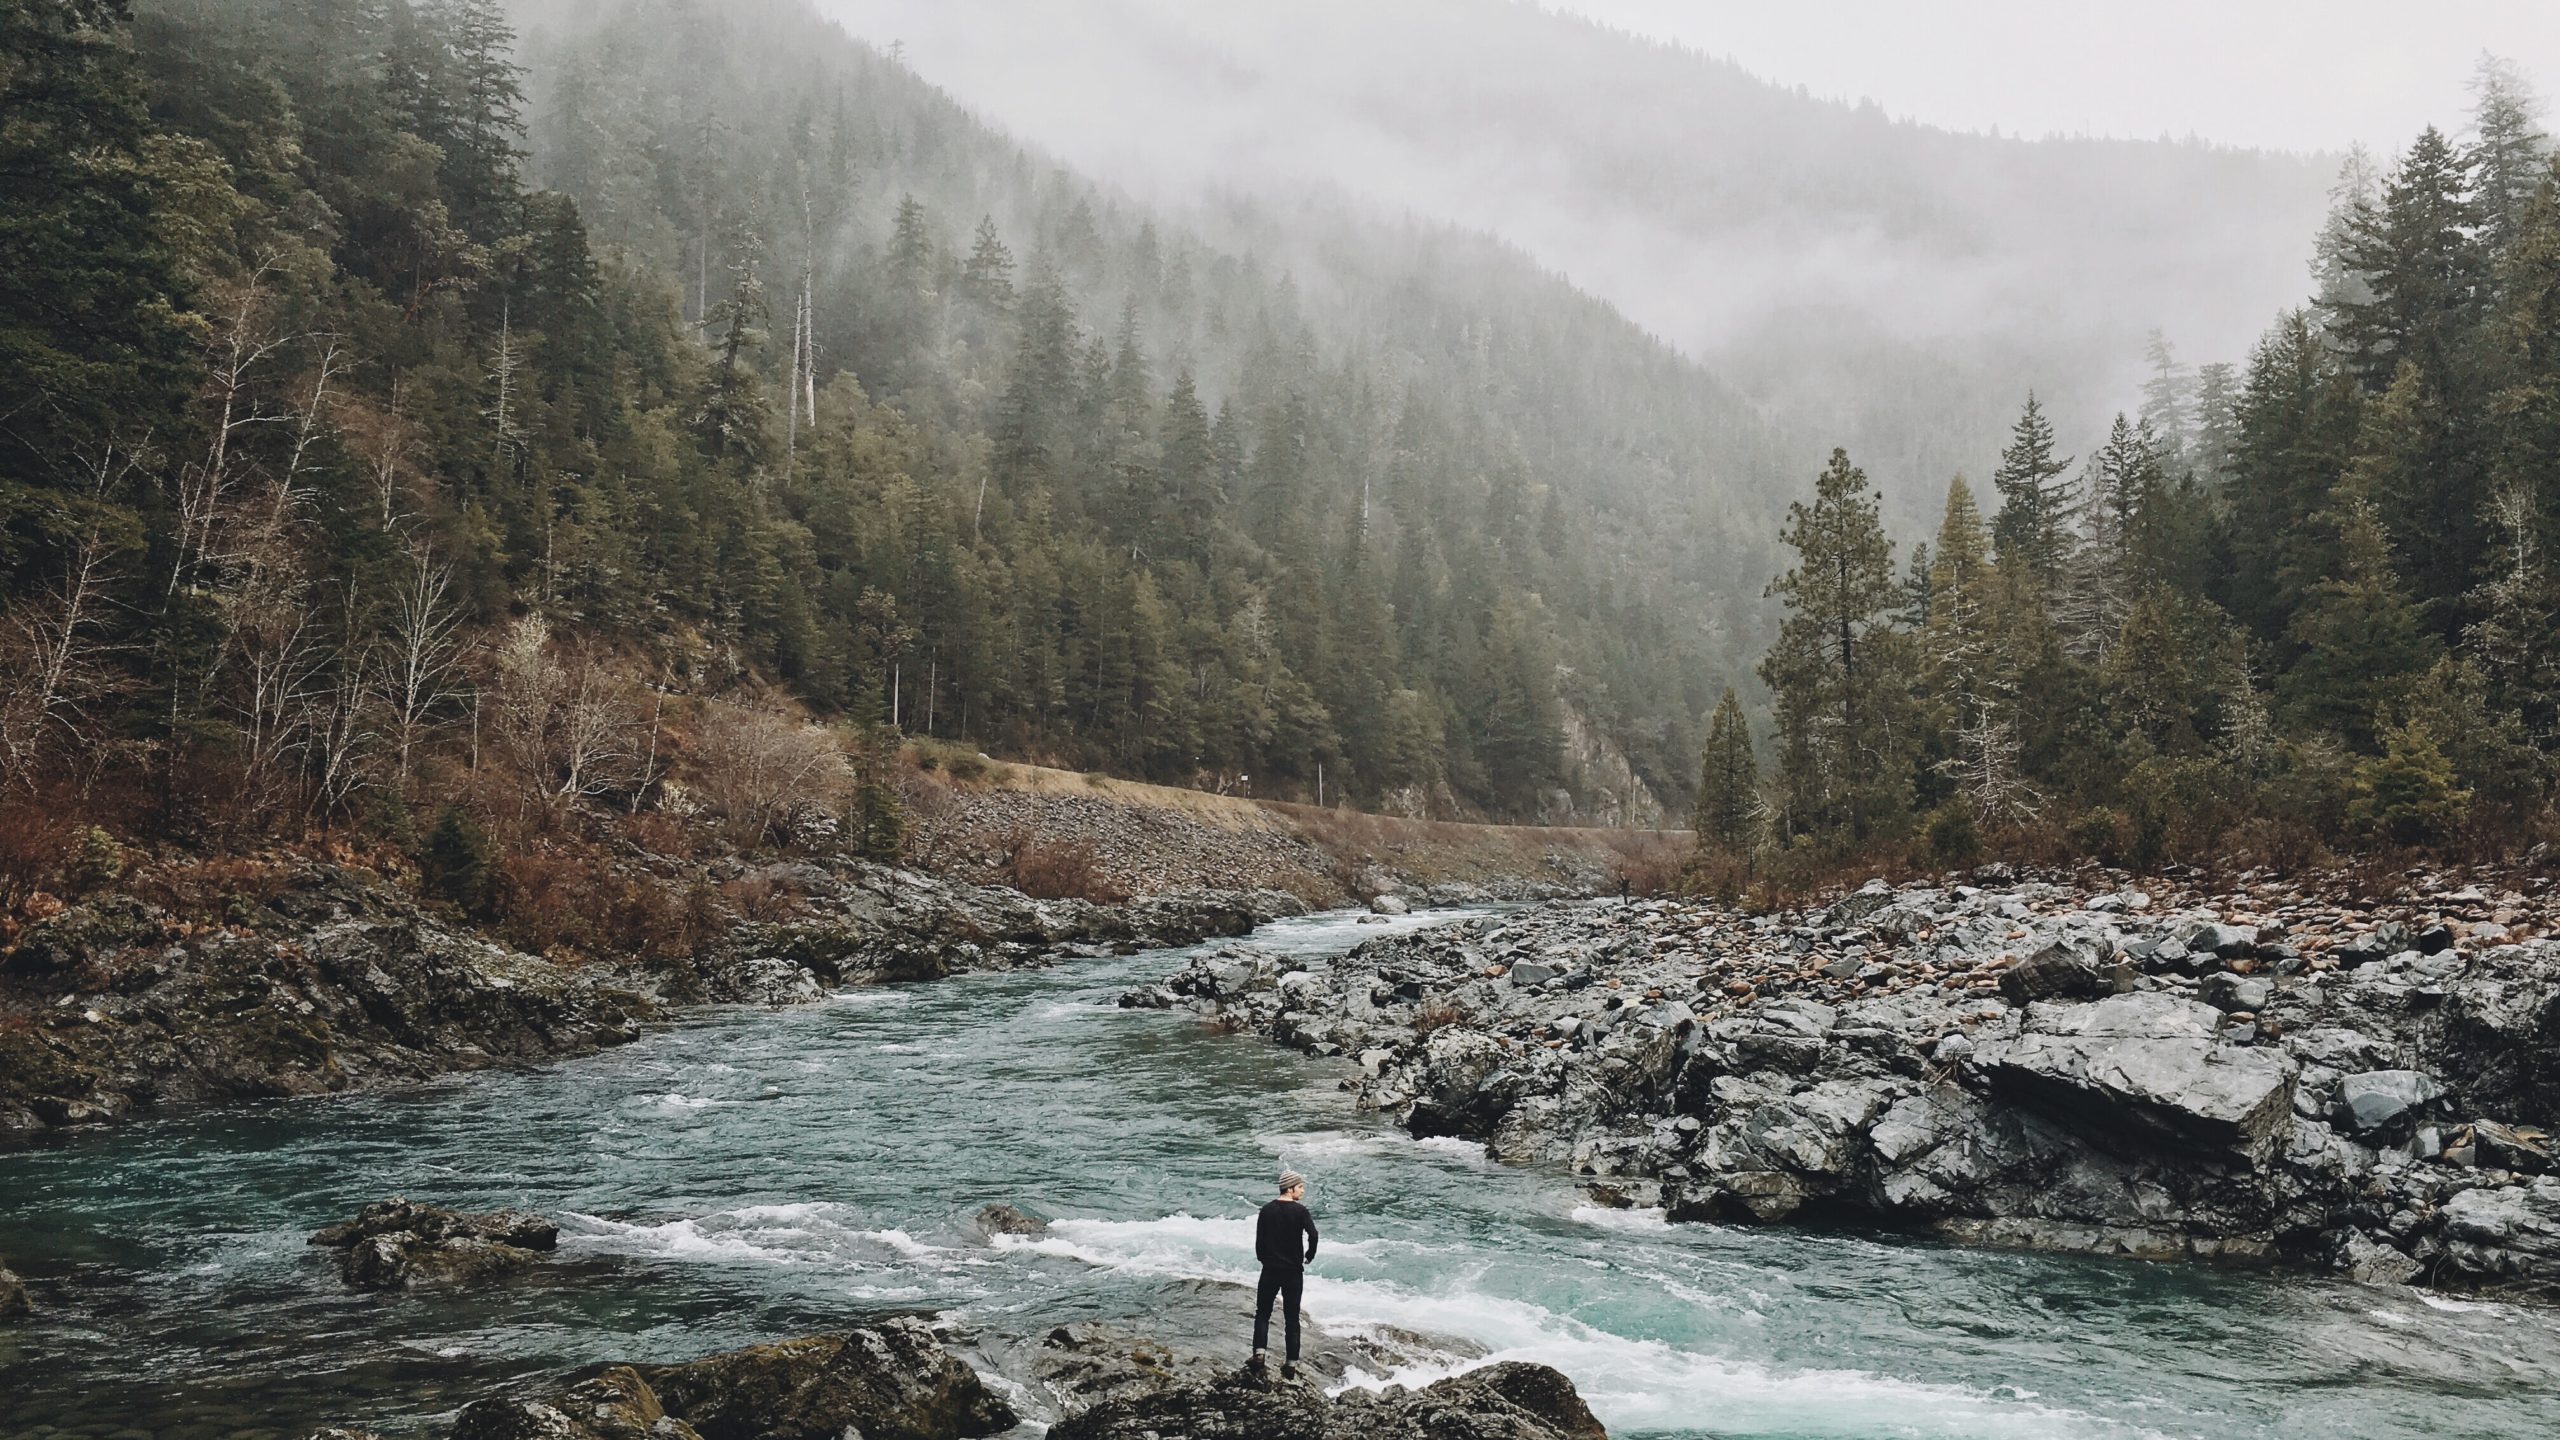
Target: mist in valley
(1870, 281)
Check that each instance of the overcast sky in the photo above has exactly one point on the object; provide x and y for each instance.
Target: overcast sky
(2288, 74)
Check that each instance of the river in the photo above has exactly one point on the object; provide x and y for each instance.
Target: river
(751, 1174)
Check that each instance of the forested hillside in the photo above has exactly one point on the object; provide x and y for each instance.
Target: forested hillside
(2309, 603)
(1405, 422)
(390, 402)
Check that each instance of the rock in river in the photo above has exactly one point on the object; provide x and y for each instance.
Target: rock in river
(1002, 1219)
(13, 1296)
(1509, 1401)
(889, 1381)
(395, 1244)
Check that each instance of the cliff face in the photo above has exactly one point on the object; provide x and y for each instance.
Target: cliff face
(1602, 788)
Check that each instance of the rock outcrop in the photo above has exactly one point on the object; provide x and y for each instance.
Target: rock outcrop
(395, 1244)
(336, 982)
(846, 922)
(893, 1380)
(889, 1381)
(2258, 1075)
(897, 1380)
(1508, 1401)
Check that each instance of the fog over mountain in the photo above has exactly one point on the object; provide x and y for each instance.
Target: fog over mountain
(2306, 75)
(1875, 282)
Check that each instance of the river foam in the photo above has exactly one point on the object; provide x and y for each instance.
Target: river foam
(1633, 1384)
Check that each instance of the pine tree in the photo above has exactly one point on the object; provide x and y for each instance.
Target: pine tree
(2358, 632)
(2030, 530)
(2127, 540)
(2509, 155)
(1838, 670)
(2417, 253)
(733, 423)
(2407, 795)
(2168, 402)
(986, 285)
(1969, 669)
(2422, 465)
(2217, 426)
(2524, 411)
(486, 89)
(1727, 816)
(2353, 198)
(1188, 489)
(2297, 426)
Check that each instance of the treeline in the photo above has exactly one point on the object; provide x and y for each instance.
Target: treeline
(2306, 605)
(350, 478)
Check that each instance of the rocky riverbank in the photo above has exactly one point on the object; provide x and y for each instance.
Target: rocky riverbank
(2258, 1074)
(322, 978)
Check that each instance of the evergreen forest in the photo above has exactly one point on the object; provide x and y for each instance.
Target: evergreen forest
(2300, 604)
(421, 414)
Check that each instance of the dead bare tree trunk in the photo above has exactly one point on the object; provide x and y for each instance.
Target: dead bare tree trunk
(424, 640)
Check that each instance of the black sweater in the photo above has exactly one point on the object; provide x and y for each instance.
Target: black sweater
(1276, 1232)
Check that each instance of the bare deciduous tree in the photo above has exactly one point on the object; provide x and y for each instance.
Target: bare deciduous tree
(756, 768)
(420, 673)
(567, 726)
(50, 652)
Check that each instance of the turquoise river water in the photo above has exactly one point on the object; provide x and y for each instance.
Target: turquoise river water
(756, 1173)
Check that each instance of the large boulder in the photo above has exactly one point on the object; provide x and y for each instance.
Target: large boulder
(396, 1243)
(1509, 1401)
(13, 1296)
(2507, 1237)
(2149, 1069)
(2063, 970)
(889, 1381)
(2379, 1100)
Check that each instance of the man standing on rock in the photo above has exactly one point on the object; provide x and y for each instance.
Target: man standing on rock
(1277, 1234)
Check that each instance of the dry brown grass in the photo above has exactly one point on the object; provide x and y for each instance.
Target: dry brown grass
(1437, 1015)
(1649, 862)
(1057, 870)
(35, 847)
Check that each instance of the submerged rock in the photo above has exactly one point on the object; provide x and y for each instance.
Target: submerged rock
(1001, 1219)
(616, 1404)
(13, 1296)
(1509, 1401)
(395, 1243)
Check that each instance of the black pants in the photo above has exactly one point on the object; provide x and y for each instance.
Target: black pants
(1291, 1286)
